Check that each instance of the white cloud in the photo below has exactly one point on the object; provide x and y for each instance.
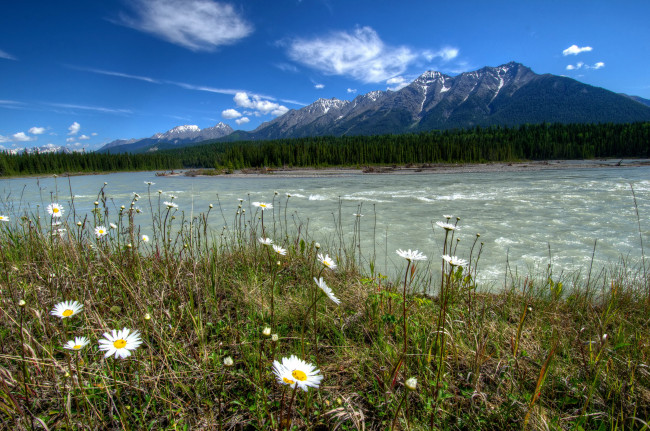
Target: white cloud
(74, 128)
(352, 90)
(242, 120)
(22, 137)
(5, 138)
(93, 134)
(581, 65)
(319, 86)
(6, 55)
(397, 83)
(37, 130)
(229, 114)
(199, 25)
(575, 50)
(259, 105)
(84, 137)
(70, 140)
(360, 54)
(446, 54)
(92, 108)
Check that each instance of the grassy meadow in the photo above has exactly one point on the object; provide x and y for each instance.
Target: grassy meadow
(215, 310)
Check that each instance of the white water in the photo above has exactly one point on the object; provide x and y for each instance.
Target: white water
(518, 214)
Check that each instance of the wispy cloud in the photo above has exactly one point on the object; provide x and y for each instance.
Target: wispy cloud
(360, 54)
(91, 108)
(575, 50)
(199, 25)
(242, 120)
(397, 83)
(580, 65)
(319, 86)
(119, 74)
(352, 90)
(6, 55)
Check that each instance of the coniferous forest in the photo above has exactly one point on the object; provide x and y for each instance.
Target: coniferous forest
(477, 145)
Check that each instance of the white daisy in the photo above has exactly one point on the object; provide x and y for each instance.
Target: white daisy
(279, 250)
(77, 344)
(100, 231)
(4, 218)
(145, 238)
(357, 215)
(170, 205)
(113, 225)
(454, 261)
(446, 226)
(328, 291)
(149, 183)
(294, 371)
(55, 210)
(120, 343)
(327, 261)
(265, 241)
(66, 309)
(411, 383)
(263, 206)
(447, 216)
(411, 255)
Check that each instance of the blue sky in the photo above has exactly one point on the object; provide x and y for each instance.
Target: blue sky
(83, 73)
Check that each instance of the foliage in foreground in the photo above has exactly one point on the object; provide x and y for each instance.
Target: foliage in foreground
(539, 354)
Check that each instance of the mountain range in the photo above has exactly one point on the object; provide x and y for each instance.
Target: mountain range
(507, 95)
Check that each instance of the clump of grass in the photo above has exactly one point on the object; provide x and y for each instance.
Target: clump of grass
(534, 354)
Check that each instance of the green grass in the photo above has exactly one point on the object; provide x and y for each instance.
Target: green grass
(532, 355)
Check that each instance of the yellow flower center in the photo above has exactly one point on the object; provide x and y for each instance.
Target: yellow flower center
(101, 231)
(67, 313)
(77, 347)
(299, 375)
(55, 210)
(119, 344)
(288, 381)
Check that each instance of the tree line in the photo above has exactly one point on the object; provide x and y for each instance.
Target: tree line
(477, 145)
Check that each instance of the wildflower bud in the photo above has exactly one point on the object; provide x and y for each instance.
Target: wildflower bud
(243, 211)
(604, 338)
(274, 338)
(278, 263)
(122, 207)
(210, 206)
(96, 203)
(411, 383)
(276, 192)
(78, 223)
(105, 183)
(22, 303)
(173, 217)
(478, 235)
(136, 199)
(266, 331)
(458, 218)
(238, 206)
(159, 192)
(184, 245)
(129, 245)
(228, 362)
(339, 401)
(147, 316)
(67, 374)
(317, 245)
(138, 211)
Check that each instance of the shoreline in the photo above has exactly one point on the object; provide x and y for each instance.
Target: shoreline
(411, 169)
(438, 168)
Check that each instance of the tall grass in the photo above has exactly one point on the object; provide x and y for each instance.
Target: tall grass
(537, 353)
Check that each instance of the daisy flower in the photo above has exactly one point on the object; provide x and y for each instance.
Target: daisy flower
(149, 183)
(327, 261)
(328, 291)
(170, 205)
(145, 238)
(454, 261)
(411, 255)
(4, 218)
(66, 309)
(447, 216)
(55, 210)
(77, 344)
(279, 250)
(100, 231)
(263, 206)
(120, 343)
(113, 225)
(265, 241)
(446, 226)
(294, 371)
(411, 383)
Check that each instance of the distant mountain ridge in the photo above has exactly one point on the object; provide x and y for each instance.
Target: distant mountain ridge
(508, 95)
(178, 136)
